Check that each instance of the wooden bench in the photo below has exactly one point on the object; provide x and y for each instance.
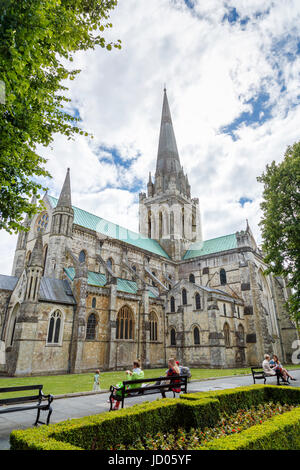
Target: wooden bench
(179, 383)
(259, 374)
(40, 406)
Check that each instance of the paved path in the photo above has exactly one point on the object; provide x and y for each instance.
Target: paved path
(89, 404)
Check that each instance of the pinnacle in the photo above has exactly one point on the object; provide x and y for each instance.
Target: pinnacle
(65, 195)
(37, 254)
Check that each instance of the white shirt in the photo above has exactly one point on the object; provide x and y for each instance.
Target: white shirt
(267, 369)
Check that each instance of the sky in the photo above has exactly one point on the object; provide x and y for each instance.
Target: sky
(231, 69)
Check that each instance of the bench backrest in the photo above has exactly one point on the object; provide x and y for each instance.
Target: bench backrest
(21, 399)
(177, 381)
(181, 378)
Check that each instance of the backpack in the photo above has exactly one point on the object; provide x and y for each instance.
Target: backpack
(185, 371)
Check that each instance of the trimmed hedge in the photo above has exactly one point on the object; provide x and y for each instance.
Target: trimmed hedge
(198, 410)
(123, 426)
(278, 433)
(232, 400)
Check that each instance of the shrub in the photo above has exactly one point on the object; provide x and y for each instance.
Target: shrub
(123, 426)
(196, 410)
(235, 399)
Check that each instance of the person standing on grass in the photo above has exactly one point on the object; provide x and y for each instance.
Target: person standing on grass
(96, 386)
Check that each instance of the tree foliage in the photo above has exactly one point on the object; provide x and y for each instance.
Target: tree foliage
(37, 41)
(281, 222)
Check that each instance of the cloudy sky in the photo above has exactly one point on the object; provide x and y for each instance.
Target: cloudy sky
(231, 69)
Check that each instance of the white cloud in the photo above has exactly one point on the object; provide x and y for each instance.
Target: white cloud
(211, 68)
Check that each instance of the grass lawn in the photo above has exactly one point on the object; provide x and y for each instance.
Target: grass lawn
(71, 383)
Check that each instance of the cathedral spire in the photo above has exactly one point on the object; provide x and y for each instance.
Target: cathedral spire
(65, 195)
(167, 156)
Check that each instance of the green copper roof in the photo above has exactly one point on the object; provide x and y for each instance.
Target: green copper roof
(93, 222)
(215, 245)
(99, 280)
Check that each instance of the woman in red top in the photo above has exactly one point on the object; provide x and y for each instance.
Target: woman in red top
(173, 371)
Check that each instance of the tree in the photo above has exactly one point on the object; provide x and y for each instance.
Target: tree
(37, 41)
(281, 222)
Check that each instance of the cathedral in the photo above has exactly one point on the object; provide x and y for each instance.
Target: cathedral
(88, 294)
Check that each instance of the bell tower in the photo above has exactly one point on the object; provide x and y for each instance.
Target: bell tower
(167, 213)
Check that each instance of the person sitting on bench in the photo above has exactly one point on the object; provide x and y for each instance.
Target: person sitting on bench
(283, 371)
(268, 370)
(173, 371)
(135, 374)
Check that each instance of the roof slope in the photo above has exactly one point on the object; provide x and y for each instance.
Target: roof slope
(214, 245)
(51, 290)
(93, 222)
(99, 280)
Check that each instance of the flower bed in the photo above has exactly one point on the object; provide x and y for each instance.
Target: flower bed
(182, 439)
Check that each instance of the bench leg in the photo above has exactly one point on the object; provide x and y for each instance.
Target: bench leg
(49, 414)
(37, 417)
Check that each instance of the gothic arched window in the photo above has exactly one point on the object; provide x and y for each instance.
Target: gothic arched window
(196, 335)
(109, 263)
(241, 335)
(198, 301)
(55, 328)
(224, 309)
(173, 337)
(226, 331)
(12, 325)
(160, 225)
(184, 297)
(125, 324)
(82, 256)
(42, 222)
(171, 223)
(194, 226)
(172, 304)
(192, 278)
(91, 326)
(153, 326)
(223, 279)
(94, 302)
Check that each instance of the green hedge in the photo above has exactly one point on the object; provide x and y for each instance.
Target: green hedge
(278, 433)
(239, 398)
(105, 430)
(123, 426)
